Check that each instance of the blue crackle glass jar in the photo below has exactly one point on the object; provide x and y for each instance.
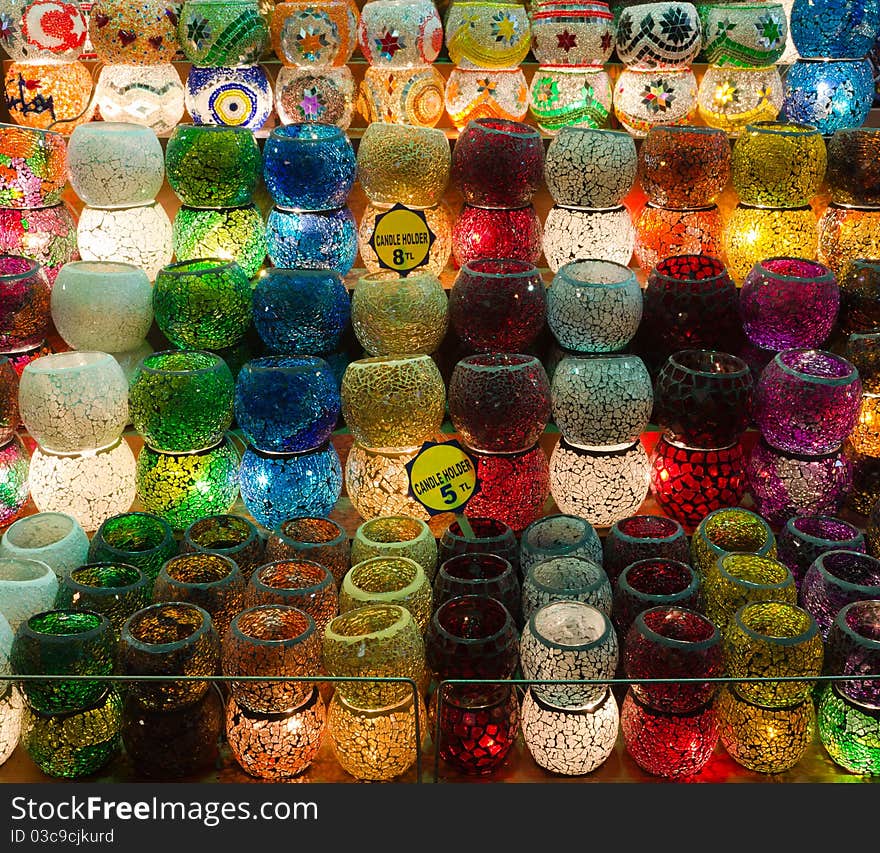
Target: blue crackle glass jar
(286, 404)
(319, 240)
(834, 29)
(276, 487)
(301, 312)
(830, 94)
(309, 166)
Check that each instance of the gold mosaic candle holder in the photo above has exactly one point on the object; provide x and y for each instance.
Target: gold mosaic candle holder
(396, 536)
(378, 483)
(320, 540)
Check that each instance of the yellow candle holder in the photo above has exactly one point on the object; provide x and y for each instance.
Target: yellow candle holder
(473, 93)
(731, 98)
(396, 536)
(865, 437)
(846, 234)
(487, 35)
(402, 95)
(730, 529)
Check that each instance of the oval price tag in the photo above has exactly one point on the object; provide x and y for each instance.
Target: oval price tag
(442, 477)
(402, 239)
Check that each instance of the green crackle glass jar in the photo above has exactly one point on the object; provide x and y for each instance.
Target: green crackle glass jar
(135, 538)
(222, 33)
(73, 745)
(849, 732)
(211, 166)
(114, 590)
(180, 401)
(203, 303)
(63, 642)
(184, 487)
(237, 233)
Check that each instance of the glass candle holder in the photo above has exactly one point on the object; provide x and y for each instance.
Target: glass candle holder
(377, 641)
(222, 33)
(202, 304)
(848, 91)
(11, 710)
(141, 236)
(804, 537)
(277, 487)
(646, 99)
(787, 303)
(325, 166)
(491, 536)
(744, 34)
(572, 233)
(673, 746)
(299, 583)
(783, 485)
(10, 419)
(594, 306)
(601, 401)
(561, 97)
(565, 578)
(807, 401)
(662, 233)
(726, 530)
(769, 639)
(853, 648)
(47, 236)
(319, 540)
(859, 282)
(230, 536)
(575, 34)
(212, 165)
(102, 305)
(286, 404)
(175, 743)
(765, 740)
(600, 486)
(24, 303)
(169, 638)
(379, 397)
(833, 28)
(378, 484)
(732, 98)
(151, 95)
(210, 580)
(846, 234)
(400, 33)
(14, 479)
(73, 745)
(134, 538)
(483, 34)
(403, 165)
(588, 735)
(569, 641)
(865, 491)
(852, 173)
(684, 167)
(113, 590)
(316, 241)
(703, 398)
(640, 537)
(396, 536)
(835, 579)
(146, 35)
(514, 487)
(70, 402)
(588, 167)
(181, 401)
(27, 587)
(184, 487)
(63, 642)
(848, 732)
(498, 163)
(653, 582)
(478, 574)
(472, 637)
(36, 171)
(276, 746)
(44, 31)
(793, 158)
(271, 640)
(304, 33)
(413, 96)
(558, 536)
(497, 305)
(863, 351)
(236, 97)
(53, 538)
(375, 744)
(49, 94)
(317, 94)
(489, 233)
(658, 36)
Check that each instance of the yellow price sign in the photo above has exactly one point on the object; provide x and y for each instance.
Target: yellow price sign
(402, 239)
(442, 477)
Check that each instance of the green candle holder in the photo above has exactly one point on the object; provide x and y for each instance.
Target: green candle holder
(114, 590)
(849, 732)
(238, 233)
(222, 33)
(135, 538)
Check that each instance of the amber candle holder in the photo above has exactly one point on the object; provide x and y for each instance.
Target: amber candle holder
(730, 529)
(320, 540)
(232, 536)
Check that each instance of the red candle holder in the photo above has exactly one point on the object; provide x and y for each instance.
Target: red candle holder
(481, 232)
(490, 536)
(663, 232)
(640, 537)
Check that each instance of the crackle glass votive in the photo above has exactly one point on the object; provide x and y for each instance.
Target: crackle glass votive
(732, 98)
(24, 303)
(804, 537)
(54, 538)
(640, 537)
(644, 99)
(320, 540)
(490, 536)
(232, 536)
(729, 529)
(853, 648)
(558, 535)
(134, 538)
(378, 484)
(663, 232)
(849, 732)
(319, 240)
(571, 233)
(35, 166)
(835, 579)
(847, 233)
(853, 176)
(14, 479)
(501, 232)
(396, 536)
(478, 574)
(834, 28)
(847, 88)
(27, 587)
(406, 96)
(565, 578)
(653, 582)
(114, 590)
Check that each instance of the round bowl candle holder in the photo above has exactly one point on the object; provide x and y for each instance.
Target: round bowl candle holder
(561, 96)
(46, 236)
(309, 93)
(27, 587)
(400, 33)
(853, 648)
(134, 538)
(833, 28)
(237, 97)
(804, 537)
(478, 574)
(487, 233)
(663, 232)
(490, 536)
(36, 171)
(396, 536)
(639, 537)
(558, 535)
(848, 92)
(308, 34)
(644, 99)
(378, 484)
(49, 95)
(569, 578)
(53, 538)
(320, 540)
(152, 96)
(230, 536)
(730, 529)
(404, 95)
(144, 35)
(859, 282)
(846, 234)
(320, 240)
(653, 582)
(575, 34)
(750, 35)
(732, 98)
(849, 732)
(11, 712)
(852, 167)
(571, 233)
(45, 31)
(114, 590)
(658, 36)
(222, 33)
(14, 479)
(10, 418)
(472, 31)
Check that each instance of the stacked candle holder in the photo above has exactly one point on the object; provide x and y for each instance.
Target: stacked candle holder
(313, 42)
(400, 40)
(214, 171)
(602, 396)
(498, 164)
(486, 41)
(571, 43)
(777, 169)
(742, 44)
(589, 173)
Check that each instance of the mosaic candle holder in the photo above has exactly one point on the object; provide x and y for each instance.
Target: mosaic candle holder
(742, 34)
(306, 240)
(47, 236)
(732, 98)
(572, 34)
(35, 167)
(865, 491)
(561, 97)
(222, 33)
(134, 538)
(413, 96)
(846, 234)
(848, 732)
(231, 536)
(27, 587)
(11, 709)
(489, 233)
(835, 579)
(49, 94)
(573, 233)
(727, 530)
(665, 232)
(559, 536)
(805, 537)
(319, 540)
(852, 171)
(113, 590)
(307, 34)
(478, 574)
(236, 233)
(396, 536)
(24, 303)
(400, 33)
(14, 479)
(484, 34)
(145, 35)
(378, 483)
(10, 418)
(236, 97)
(853, 648)
(646, 99)
(53, 538)
(316, 94)
(45, 31)
(640, 537)
(847, 87)
(569, 578)
(834, 28)
(653, 36)
(491, 536)
(151, 95)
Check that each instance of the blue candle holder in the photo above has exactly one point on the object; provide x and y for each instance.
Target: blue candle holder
(232, 96)
(323, 240)
(830, 94)
(834, 29)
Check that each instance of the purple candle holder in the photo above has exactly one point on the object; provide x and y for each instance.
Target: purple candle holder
(641, 537)
(835, 579)
(787, 303)
(854, 649)
(807, 401)
(805, 537)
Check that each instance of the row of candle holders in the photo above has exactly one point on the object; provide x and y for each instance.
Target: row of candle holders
(760, 620)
